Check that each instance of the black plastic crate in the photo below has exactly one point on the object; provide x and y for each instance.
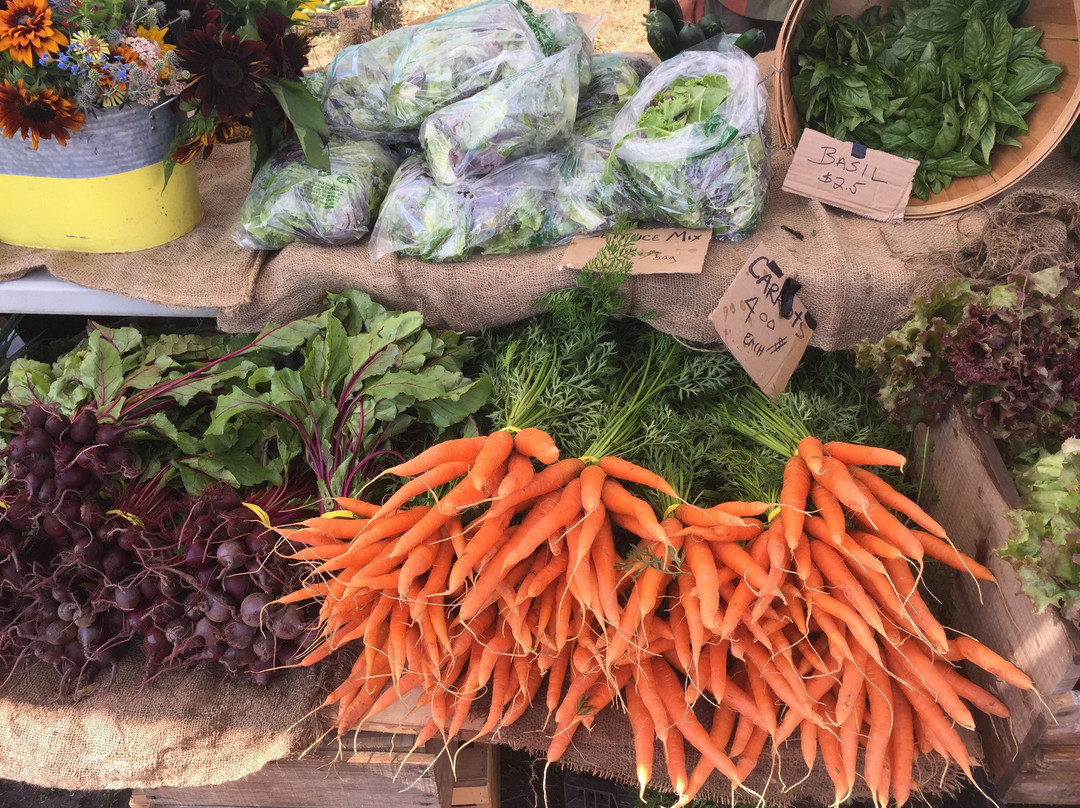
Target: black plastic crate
(586, 791)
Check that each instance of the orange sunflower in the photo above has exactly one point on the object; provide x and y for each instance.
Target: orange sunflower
(27, 31)
(37, 114)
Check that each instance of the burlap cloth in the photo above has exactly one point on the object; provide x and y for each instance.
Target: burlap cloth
(203, 268)
(182, 729)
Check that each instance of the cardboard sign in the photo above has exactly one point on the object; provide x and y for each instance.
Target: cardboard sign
(763, 323)
(658, 250)
(846, 175)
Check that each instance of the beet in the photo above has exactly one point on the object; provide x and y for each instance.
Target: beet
(56, 425)
(289, 623)
(84, 427)
(251, 609)
(37, 442)
(67, 610)
(108, 434)
(237, 587)
(16, 451)
(34, 415)
(238, 635)
(217, 609)
(127, 597)
(231, 555)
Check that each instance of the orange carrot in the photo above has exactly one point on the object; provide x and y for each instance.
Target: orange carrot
(947, 554)
(454, 449)
(901, 748)
(633, 473)
(702, 564)
(811, 451)
(546, 528)
(796, 487)
(670, 693)
(978, 654)
(856, 454)
(494, 454)
(835, 476)
(422, 484)
(519, 471)
(641, 724)
(533, 442)
(357, 506)
(592, 482)
(971, 692)
(618, 500)
(891, 498)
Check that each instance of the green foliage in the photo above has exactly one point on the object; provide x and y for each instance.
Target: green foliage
(1044, 542)
(684, 103)
(337, 391)
(1010, 357)
(939, 81)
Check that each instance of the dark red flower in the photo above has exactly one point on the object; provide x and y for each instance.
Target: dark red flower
(227, 72)
(287, 48)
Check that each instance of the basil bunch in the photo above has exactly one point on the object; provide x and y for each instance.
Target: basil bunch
(940, 81)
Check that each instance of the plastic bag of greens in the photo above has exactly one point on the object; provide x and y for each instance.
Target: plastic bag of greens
(614, 82)
(289, 200)
(691, 144)
(512, 208)
(558, 30)
(531, 111)
(357, 86)
(457, 55)
(596, 124)
(587, 200)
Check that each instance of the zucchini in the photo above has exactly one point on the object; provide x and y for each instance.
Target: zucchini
(710, 25)
(689, 36)
(660, 32)
(673, 11)
(751, 41)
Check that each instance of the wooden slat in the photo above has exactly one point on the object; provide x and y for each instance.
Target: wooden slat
(968, 490)
(364, 778)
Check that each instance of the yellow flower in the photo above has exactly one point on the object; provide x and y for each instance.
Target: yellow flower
(91, 48)
(157, 35)
(26, 30)
(304, 11)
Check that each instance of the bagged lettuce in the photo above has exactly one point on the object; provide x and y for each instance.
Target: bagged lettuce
(690, 144)
(614, 82)
(588, 195)
(558, 30)
(456, 55)
(356, 90)
(512, 208)
(527, 113)
(289, 200)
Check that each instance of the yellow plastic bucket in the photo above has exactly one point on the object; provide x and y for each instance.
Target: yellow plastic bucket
(103, 192)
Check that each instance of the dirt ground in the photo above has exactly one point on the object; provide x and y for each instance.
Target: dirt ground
(621, 25)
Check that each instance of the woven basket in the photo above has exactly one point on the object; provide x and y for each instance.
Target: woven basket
(1049, 120)
(104, 191)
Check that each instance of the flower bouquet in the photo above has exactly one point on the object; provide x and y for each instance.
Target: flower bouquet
(224, 62)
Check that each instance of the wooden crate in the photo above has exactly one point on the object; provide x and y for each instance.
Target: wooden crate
(476, 781)
(369, 775)
(1034, 757)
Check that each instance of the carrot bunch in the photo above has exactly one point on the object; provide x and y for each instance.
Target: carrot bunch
(808, 623)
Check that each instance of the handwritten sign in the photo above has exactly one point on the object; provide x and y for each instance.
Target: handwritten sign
(846, 175)
(658, 250)
(763, 323)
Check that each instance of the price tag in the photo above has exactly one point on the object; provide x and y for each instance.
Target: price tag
(847, 175)
(658, 250)
(763, 323)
